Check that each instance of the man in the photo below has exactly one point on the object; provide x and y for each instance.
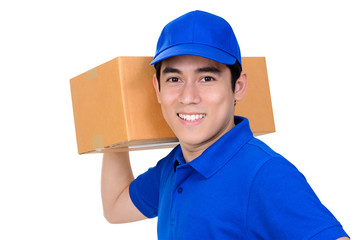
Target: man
(220, 182)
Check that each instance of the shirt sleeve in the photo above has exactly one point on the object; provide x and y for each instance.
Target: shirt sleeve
(282, 205)
(144, 191)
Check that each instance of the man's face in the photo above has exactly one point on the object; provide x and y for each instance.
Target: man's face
(196, 99)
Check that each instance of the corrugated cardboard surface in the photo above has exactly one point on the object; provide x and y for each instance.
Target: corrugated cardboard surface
(256, 105)
(115, 106)
(98, 107)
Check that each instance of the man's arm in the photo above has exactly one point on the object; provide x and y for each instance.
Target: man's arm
(343, 238)
(116, 177)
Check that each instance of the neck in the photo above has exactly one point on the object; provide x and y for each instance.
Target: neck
(192, 151)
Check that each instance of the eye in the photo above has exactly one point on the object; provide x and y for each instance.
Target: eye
(208, 79)
(173, 79)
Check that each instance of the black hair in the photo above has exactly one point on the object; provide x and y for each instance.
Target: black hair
(235, 71)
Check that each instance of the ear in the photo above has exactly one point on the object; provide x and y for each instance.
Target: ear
(156, 87)
(241, 87)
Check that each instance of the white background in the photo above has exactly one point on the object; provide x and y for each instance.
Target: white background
(48, 191)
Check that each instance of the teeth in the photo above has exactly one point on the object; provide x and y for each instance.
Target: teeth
(192, 117)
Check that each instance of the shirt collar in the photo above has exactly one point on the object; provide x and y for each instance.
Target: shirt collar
(218, 154)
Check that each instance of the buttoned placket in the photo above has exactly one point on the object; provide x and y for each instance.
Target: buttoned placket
(182, 172)
(172, 212)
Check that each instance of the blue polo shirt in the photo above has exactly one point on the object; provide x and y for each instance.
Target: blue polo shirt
(238, 188)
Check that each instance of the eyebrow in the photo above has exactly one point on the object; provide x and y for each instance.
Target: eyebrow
(208, 70)
(171, 70)
(199, 70)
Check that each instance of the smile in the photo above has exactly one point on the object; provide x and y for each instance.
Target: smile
(191, 117)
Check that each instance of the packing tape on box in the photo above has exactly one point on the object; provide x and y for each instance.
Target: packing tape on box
(91, 74)
(98, 142)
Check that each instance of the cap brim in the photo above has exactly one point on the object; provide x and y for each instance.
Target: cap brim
(197, 50)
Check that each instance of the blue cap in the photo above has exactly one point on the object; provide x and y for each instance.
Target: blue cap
(198, 33)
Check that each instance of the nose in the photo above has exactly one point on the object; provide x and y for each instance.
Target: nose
(189, 94)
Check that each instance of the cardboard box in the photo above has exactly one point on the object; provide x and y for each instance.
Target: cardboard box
(115, 106)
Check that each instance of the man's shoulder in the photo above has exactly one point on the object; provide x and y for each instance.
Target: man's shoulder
(250, 158)
(259, 147)
(254, 155)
